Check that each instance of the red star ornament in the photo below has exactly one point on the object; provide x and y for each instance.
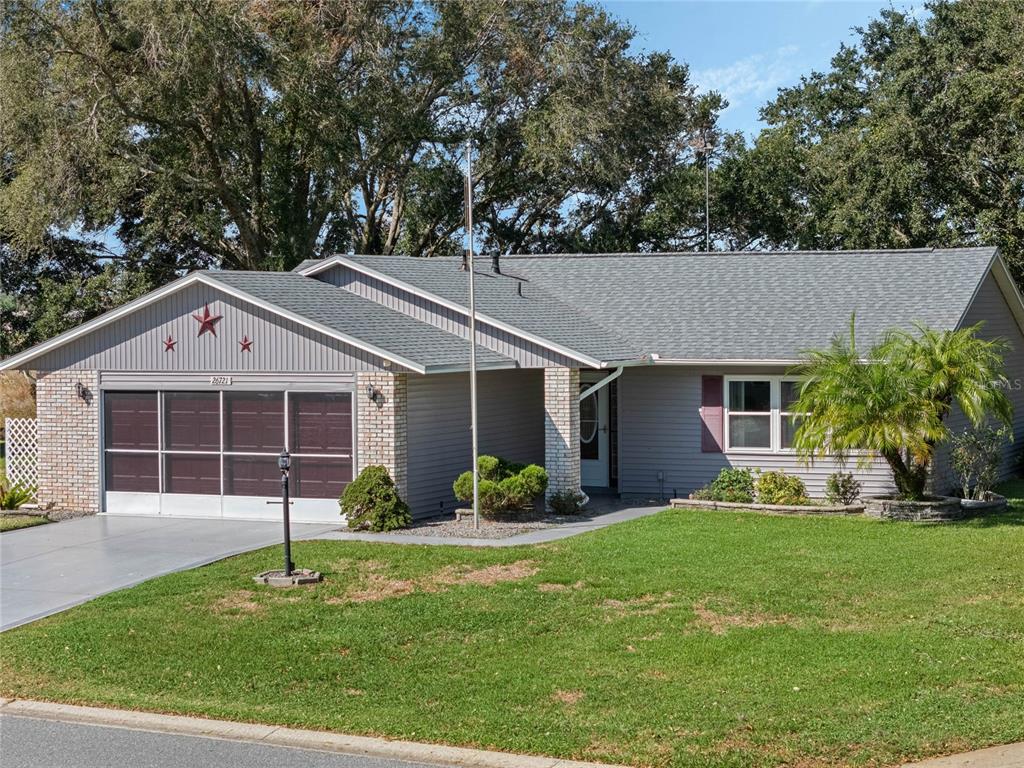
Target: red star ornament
(246, 344)
(207, 321)
(169, 343)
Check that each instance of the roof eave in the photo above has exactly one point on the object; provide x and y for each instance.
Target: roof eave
(19, 360)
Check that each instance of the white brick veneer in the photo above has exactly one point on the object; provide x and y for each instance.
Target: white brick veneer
(69, 442)
(562, 429)
(383, 436)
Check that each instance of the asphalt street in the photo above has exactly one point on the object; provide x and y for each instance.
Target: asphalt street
(31, 743)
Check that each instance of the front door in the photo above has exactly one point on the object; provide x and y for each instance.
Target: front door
(594, 443)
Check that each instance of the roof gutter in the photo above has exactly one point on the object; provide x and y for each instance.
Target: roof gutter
(727, 361)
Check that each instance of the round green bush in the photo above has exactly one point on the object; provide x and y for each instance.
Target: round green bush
(490, 467)
(371, 502)
(732, 484)
(780, 488)
(535, 479)
(504, 487)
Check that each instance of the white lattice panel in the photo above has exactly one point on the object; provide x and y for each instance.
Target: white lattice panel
(22, 451)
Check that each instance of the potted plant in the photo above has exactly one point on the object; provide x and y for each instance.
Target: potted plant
(893, 402)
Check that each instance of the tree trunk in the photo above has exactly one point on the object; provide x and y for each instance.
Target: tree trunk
(910, 478)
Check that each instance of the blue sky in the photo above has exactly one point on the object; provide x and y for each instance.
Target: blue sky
(745, 49)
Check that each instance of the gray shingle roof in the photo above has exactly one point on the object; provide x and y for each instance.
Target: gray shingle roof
(539, 311)
(710, 306)
(360, 318)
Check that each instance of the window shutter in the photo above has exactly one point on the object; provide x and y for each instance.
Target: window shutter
(711, 414)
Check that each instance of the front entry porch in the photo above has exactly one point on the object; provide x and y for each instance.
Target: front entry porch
(581, 430)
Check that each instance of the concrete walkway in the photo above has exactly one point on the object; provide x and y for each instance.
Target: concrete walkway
(1004, 756)
(49, 568)
(602, 513)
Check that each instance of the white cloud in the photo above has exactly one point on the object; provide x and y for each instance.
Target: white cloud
(754, 77)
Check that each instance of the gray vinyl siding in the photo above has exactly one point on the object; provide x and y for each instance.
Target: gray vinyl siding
(526, 353)
(990, 307)
(511, 413)
(660, 431)
(135, 342)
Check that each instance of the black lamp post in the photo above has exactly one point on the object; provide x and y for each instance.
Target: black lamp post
(284, 463)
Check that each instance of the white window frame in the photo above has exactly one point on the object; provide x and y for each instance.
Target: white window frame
(783, 414)
(775, 414)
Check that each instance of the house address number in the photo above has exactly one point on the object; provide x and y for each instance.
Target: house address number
(220, 381)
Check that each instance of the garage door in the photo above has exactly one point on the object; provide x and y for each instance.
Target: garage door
(214, 454)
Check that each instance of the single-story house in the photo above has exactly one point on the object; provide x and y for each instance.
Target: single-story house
(636, 374)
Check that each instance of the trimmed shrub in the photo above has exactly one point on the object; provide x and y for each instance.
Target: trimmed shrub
(504, 487)
(566, 502)
(535, 480)
(780, 488)
(489, 467)
(735, 485)
(841, 488)
(371, 502)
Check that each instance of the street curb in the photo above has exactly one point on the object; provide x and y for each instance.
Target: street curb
(322, 741)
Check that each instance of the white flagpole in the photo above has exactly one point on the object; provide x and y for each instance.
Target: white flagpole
(472, 331)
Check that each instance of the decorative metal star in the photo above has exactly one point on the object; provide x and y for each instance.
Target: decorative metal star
(246, 343)
(207, 322)
(169, 343)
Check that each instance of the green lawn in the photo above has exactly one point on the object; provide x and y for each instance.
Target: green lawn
(690, 638)
(14, 522)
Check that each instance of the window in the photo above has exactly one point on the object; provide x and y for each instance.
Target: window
(750, 414)
(758, 413)
(789, 420)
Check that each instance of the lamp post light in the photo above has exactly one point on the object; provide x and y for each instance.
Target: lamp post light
(284, 463)
(290, 576)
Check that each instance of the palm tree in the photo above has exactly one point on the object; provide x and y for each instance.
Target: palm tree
(894, 402)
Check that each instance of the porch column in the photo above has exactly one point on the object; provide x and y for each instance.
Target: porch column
(381, 424)
(562, 429)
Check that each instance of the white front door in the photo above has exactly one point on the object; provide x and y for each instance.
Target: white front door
(594, 447)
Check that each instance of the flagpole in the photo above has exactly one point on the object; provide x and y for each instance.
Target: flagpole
(472, 331)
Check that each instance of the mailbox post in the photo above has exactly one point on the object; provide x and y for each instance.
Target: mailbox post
(284, 463)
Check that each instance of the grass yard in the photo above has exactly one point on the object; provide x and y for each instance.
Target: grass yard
(690, 638)
(14, 522)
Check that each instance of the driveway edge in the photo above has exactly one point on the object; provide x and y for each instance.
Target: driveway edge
(323, 741)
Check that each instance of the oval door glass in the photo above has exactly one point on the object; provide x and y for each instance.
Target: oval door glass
(588, 427)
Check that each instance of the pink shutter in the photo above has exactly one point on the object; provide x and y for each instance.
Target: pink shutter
(711, 414)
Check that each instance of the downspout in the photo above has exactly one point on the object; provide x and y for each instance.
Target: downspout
(606, 380)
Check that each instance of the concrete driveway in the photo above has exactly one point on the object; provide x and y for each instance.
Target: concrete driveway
(49, 568)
